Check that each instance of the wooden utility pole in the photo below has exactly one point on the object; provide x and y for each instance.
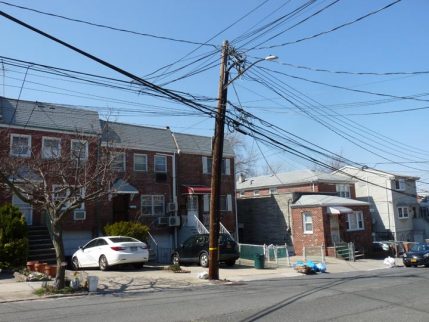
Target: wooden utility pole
(217, 152)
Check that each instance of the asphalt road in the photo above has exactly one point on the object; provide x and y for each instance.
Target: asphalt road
(397, 294)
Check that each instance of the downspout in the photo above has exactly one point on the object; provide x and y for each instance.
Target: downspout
(174, 183)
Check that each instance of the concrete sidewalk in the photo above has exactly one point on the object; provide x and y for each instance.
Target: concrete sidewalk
(154, 278)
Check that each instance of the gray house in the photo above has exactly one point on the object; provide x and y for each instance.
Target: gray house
(393, 204)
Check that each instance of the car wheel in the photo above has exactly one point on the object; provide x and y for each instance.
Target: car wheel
(407, 265)
(230, 263)
(204, 260)
(103, 264)
(75, 263)
(175, 259)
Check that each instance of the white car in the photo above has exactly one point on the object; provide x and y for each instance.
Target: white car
(107, 251)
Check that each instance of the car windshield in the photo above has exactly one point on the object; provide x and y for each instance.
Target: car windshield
(123, 240)
(420, 248)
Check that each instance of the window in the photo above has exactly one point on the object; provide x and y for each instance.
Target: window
(61, 193)
(20, 145)
(225, 168)
(160, 163)
(307, 220)
(79, 149)
(273, 191)
(256, 192)
(241, 193)
(51, 148)
(140, 162)
(400, 184)
(152, 205)
(225, 203)
(343, 190)
(118, 161)
(403, 212)
(355, 221)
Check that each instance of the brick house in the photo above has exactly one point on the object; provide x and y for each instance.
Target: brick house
(328, 220)
(159, 174)
(268, 207)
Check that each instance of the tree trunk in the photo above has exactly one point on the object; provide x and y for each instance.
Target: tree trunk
(57, 238)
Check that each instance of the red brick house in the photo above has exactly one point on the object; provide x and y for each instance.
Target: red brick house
(329, 220)
(162, 178)
(269, 209)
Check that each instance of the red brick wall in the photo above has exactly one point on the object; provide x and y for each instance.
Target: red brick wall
(361, 238)
(317, 238)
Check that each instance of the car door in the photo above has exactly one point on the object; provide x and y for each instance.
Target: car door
(91, 254)
(187, 250)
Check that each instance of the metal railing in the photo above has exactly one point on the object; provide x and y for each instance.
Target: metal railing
(223, 230)
(316, 253)
(274, 255)
(200, 226)
(153, 245)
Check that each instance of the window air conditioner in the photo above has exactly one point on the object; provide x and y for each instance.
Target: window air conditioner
(171, 207)
(162, 220)
(79, 214)
(174, 221)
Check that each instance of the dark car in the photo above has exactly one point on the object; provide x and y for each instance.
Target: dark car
(196, 250)
(418, 255)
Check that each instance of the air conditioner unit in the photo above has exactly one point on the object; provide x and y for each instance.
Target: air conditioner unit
(174, 221)
(79, 214)
(171, 207)
(163, 220)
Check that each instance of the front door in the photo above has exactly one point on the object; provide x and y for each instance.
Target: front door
(335, 229)
(192, 209)
(120, 207)
(25, 208)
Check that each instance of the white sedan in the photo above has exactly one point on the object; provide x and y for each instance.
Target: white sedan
(107, 251)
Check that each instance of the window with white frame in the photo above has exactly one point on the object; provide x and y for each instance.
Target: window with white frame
(225, 167)
(355, 221)
(225, 203)
(400, 184)
(307, 222)
(118, 161)
(140, 162)
(153, 205)
(343, 190)
(51, 148)
(20, 145)
(403, 212)
(160, 163)
(273, 191)
(256, 192)
(241, 193)
(60, 193)
(79, 150)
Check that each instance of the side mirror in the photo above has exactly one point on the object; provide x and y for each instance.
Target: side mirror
(80, 247)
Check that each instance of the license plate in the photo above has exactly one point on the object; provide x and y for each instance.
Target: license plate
(413, 260)
(133, 248)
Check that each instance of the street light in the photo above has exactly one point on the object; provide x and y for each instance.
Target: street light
(217, 152)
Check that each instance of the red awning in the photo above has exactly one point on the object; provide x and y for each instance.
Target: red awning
(196, 190)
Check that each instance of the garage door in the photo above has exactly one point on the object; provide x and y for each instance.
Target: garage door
(73, 239)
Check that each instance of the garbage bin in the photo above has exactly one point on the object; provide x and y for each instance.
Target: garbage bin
(259, 261)
(92, 283)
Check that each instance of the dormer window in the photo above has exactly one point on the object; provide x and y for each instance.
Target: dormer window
(400, 184)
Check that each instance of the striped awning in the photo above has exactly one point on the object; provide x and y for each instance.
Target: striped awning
(339, 210)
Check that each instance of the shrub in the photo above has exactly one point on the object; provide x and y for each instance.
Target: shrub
(127, 228)
(13, 238)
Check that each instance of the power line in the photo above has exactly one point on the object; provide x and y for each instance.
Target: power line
(332, 29)
(107, 27)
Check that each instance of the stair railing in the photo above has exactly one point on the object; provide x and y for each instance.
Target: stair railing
(223, 230)
(200, 226)
(153, 244)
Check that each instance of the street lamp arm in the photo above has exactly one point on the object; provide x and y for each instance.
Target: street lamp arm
(268, 58)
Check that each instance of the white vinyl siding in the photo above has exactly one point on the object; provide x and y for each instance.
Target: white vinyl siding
(20, 145)
(355, 221)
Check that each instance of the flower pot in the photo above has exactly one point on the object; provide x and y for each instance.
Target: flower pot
(39, 267)
(30, 265)
(51, 270)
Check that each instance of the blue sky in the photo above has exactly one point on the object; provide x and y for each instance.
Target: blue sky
(393, 40)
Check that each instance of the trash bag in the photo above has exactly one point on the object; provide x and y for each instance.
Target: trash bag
(312, 265)
(203, 275)
(389, 262)
(321, 267)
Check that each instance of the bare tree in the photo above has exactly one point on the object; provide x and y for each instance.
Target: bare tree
(56, 179)
(333, 163)
(245, 157)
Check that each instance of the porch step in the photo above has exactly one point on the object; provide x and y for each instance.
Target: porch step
(40, 247)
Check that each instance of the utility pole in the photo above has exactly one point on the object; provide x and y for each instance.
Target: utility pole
(217, 153)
